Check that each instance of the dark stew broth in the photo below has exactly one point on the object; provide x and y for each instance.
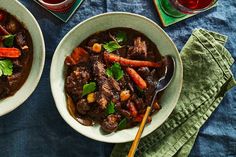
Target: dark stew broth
(110, 79)
(15, 54)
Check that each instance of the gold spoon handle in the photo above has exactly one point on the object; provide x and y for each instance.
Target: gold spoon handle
(139, 133)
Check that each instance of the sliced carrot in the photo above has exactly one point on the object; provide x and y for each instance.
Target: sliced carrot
(136, 78)
(132, 109)
(139, 118)
(129, 62)
(70, 61)
(97, 47)
(78, 55)
(9, 52)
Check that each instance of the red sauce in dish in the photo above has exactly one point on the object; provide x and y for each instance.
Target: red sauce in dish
(53, 1)
(196, 4)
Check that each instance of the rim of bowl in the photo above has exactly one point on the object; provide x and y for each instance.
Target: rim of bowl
(65, 117)
(55, 4)
(20, 102)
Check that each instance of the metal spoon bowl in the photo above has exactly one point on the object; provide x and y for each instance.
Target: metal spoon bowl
(165, 80)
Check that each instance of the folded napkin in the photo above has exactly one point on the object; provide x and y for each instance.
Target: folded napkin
(207, 77)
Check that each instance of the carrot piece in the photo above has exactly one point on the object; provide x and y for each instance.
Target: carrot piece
(136, 78)
(129, 62)
(132, 109)
(78, 55)
(70, 61)
(156, 106)
(97, 47)
(9, 52)
(139, 118)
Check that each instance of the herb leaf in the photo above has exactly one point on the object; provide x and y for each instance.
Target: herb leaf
(122, 124)
(115, 71)
(121, 37)
(89, 88)
(9, 40)
(6, 67)
(111, 46)
(110, 108)
(109, 72)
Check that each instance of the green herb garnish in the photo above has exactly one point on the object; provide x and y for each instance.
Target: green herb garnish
(114, 45)
(6, 67)
(115, 71)
(111, 46)
(89, 88)
(122, 124)
(121, 37)
(9, 40)
(110, 108)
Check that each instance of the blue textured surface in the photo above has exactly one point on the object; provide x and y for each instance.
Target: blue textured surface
(36, 129)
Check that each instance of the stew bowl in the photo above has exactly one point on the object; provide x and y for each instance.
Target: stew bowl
(104, 22)
(16, 9)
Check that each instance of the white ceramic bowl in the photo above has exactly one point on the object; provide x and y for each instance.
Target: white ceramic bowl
(58, 7)
(104, 22)
(16, 9)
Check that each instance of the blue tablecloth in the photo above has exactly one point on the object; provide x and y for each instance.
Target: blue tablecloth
(36, 129)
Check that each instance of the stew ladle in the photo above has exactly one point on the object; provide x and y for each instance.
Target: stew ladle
(162, 83)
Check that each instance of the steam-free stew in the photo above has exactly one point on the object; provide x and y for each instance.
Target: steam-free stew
(15, 54)
(110, 79)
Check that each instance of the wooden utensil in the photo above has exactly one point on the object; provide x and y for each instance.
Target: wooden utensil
(163, 82)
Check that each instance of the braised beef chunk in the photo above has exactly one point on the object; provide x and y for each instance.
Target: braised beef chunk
(99, 72)
(12, 26)
(82, 106)
(94, 58)
(139, 50)
(4, 88)
(16, 66)
(125, 79)
(106, 89)
(114, 84)
(3, 31)
(144, 71)
(13, 80)
(21, 41)
(110, 124)
(102, 100)
(76, 80)
(96, 113)
(123, 51)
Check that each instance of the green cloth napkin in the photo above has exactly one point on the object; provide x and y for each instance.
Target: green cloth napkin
(207, 77)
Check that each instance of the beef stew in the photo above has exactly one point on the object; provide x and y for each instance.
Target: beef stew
(16, 54)
(110, 79)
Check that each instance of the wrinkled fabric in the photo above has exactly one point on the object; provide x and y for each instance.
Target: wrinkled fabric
(36, 129)
(207, 77)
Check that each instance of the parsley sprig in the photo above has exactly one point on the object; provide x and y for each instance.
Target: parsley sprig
(6, 67)
(115, 71)
(89, 88)
(115, 45)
